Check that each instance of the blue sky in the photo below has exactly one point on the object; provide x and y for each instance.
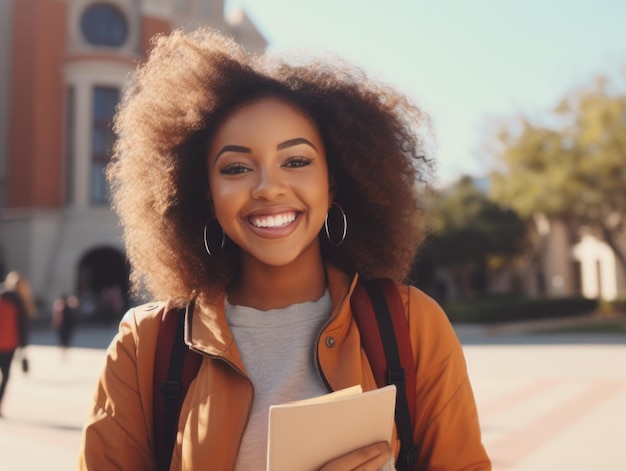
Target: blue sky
(467, 63)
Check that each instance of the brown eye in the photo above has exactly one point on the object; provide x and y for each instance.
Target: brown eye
(234, 169)
(295, 162)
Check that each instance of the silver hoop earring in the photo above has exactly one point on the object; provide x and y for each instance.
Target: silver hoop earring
(212, 235)
(339, 224)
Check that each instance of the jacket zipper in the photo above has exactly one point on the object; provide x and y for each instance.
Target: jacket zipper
(249, 405)
(316, 360)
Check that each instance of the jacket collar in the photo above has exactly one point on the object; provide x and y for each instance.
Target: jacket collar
(207, 331)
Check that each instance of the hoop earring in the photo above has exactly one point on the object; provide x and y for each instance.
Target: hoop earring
(339, 222)
(215, 229)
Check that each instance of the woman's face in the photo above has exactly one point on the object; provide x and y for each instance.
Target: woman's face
(268, 181)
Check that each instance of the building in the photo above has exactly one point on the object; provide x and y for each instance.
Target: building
(574, 262)
(63, 65)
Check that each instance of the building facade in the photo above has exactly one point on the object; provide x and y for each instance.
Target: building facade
(64, 64)
(564, 262)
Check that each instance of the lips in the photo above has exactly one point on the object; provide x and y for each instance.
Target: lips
(273, 221)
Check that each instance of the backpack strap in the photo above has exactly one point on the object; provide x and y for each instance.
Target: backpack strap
(381, 319)
(175, 367)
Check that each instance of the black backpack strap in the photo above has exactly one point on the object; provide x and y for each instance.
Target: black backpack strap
(181, 364)
(388, 310)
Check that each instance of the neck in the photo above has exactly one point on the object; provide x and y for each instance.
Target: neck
(267, 287)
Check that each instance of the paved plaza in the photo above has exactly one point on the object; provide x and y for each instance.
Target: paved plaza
(547, 402)
(551, 406)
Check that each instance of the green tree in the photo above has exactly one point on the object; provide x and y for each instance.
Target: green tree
(472, 235)
(573, 169)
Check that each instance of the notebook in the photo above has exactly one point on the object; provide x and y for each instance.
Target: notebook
(304, 435)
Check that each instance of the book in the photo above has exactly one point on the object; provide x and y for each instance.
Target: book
(304, 435)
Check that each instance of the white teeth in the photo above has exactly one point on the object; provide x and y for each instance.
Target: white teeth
(277, 220)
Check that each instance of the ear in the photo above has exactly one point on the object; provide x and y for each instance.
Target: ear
(209, 202)
(331, 191)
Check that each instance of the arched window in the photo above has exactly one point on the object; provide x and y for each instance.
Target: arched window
(103, 24)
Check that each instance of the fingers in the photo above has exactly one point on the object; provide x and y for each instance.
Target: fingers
(369, 458)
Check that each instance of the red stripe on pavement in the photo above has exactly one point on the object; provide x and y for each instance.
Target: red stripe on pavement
(506, 401)
(512, 449)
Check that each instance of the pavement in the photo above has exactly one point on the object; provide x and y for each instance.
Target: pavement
(43, 410)
(547, 401)
(551, 405)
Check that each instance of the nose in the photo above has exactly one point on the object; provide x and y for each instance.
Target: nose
(269, 184)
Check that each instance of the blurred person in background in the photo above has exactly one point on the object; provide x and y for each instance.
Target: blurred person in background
(19, 284)
(14, 325)
(64, 312)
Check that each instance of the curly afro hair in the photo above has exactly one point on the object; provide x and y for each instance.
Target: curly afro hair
(373, 135)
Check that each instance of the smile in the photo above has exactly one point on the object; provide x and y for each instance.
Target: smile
(273, 221)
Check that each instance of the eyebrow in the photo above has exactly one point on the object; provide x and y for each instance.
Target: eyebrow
(283, 145)
(295, 142)
(232, 148)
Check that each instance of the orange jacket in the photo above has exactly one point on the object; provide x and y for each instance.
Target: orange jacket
(118, 431)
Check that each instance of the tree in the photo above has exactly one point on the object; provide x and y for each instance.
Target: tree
(472, 235)
(573, 169)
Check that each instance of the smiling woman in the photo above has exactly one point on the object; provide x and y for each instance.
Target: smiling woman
(270, 193)
(254, 195)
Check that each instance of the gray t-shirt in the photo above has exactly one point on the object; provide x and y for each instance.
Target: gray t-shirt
(277, 348)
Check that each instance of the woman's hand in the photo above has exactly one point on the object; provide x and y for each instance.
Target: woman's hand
(369, 458)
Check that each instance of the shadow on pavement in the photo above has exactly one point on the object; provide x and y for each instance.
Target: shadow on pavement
(85, 336)
(581, 330)
(542, 339)
(27, 423)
